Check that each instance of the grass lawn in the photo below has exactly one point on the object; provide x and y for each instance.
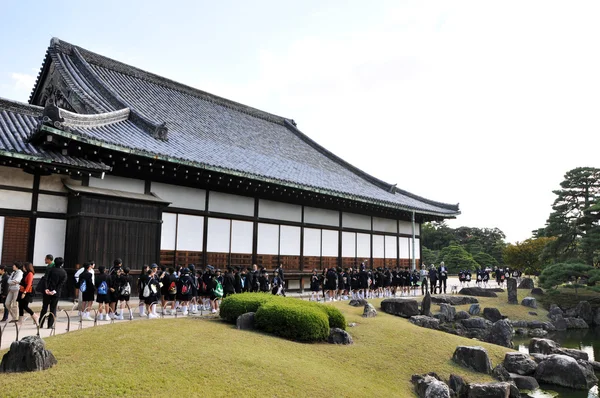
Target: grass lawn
(199, 357)
(512, 311)
(567, 298)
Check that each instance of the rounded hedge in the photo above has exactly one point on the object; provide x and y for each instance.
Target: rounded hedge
(238, 304)
(335, 316)
(293, 320)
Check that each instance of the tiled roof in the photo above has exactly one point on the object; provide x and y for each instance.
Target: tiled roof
(216, 132)
(17, 122)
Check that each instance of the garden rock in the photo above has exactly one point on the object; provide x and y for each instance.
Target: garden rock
(477, 291)
(460, 315)
(492, 314)
(537, 291)
(403, 307)
(425, 322)
(543, 346)
(475, 358)
(27, 355)
(339, 336)
(597, 317)
(524, 382)
(501, 333)
(358, 302)
(519, 363)
(555, 310)
(369, 311)
(429, 386)
(575, 354)
(538, 357)
(426, 305)
(541, 325)
(532, 313)
(476, 323)
(447, 313)
(454, 300)
(539, 332)
(595, 365)
(521, 331)
(459, 386)
(585, 312)
(559, 323)
(526, 283)
(519, 324)
(511, 285)
(245, 321)
(530, 302)
(491, 390)
(576, 323)
(500, 373)
(474, 309)
(565, 371)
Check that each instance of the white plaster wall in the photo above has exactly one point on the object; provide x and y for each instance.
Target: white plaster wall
(15, 200)
(184, 197)
(404, 253)
(241, 237)
(52, 203)
(232, 204)
(363, 246)
(279, 211)
(55, 183)
(289, 241)
(348, 244)
(330, 241)
(218, 235)
(1, 234)
(357, 221)
(312, 242)
(417, 248)
(119, 184)
(406, 227)
(15, 177)
(378, 246)
(190, 230)
(167, 235)
(49, 239)
(385, 225)
(268, 239)
(391, 247)
(313, 215)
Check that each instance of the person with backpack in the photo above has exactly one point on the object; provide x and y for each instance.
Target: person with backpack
(228, 282)
(164, 280)
(194, 299)
(169, 290)
(87, 289)
(238, 284)
(124, 283)
(184, 290)
(141, 283)
(26, 293)
(151, 292)
(216, 293)
(102, 294)
(331, 282)
(315, 286)
(13, 291)
(263, 280)
(113, 285)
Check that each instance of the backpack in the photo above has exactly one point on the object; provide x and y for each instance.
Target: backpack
(173, 288)
(126, 289)
(103, 288)
(83, 287)
(186, 287)
(146, 292)
(218, 290)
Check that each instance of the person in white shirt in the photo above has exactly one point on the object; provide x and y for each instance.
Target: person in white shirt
(13, 291)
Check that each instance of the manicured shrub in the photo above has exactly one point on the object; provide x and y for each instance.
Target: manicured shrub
(293, 320)
(335, 316)
(238, 304)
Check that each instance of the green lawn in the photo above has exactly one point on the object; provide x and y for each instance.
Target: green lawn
(512, 311)
(200, 357)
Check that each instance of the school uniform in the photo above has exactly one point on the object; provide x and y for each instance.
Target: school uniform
(102, 289)
(86, 278)
(315, 284)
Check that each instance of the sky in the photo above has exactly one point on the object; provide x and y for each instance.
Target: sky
(482, 103)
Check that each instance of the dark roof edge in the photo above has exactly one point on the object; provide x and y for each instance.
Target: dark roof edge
(40, 77)
(112, 64)
(20, 107)
(373, 180)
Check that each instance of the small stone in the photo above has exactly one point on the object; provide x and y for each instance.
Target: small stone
(426, 305)
(477, 291)
(491, 390)
(339, 336)
(429, 386)
(245, 321)
(358, 302)
(474, 309)
(560, 324)
(501, 333)
(454, 300)
(459, 386)
(369, 311)
(530, 302)
(27, 355)
(532, 313)
(352, 324)
(526, 283)
(576, 323)
(543, 346)
(476, 323)
(500, 373)
(475, 358)
(524, 382)
(460, 315)
(567, 372)
(536, 291)
(447, 313)
(585, 312)
(519, 363)
(425, 322)
(539, 332)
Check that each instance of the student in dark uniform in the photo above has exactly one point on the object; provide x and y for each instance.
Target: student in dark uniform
(184, 290)
(3, 290)
(467, 277)
(433, 278)
(102, 299)
(228, 282)
(154, 292)
(331, 282)
(237, 277)
(363, 277)
(354, 283)
(461, 277)
(86, 287)
(263, 280)
(125, 283)
(315, 286)
(485, 277)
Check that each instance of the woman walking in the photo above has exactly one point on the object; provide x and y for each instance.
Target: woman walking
(25, 293)
(13, 291)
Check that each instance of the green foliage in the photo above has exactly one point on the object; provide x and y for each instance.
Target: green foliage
(457, 258)
(335, 316)
(293, 320)
(429, 256)
(561, 273)
(238, 304)
(527, 255)
(485, 260)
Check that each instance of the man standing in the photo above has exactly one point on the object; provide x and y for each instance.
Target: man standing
(56, 277)
(443, 277)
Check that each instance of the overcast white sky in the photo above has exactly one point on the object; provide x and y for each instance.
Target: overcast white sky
(483, 103)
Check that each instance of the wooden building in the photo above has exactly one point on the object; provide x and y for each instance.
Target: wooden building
(107, 160)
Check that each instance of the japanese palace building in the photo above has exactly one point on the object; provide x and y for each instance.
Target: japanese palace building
(107, 161)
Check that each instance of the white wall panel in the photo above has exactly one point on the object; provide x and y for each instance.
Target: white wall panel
(385, 225)
(330, 243)
(417, 229)
(357, 221)
(15, 200)
(348, 244)
(190, 230)
(218, 235)
(378, 249)
(268, 239)
(119, 184)
(391, 247)
(289, 241)
(404, 253)
(363, 246)
(49, 239)
(55, 183)
(279, 211)
(184, 197)
(313, 215)
(417, 248)
(405, 227)
(1, 234)
(241, 237)
(167, 235)
(14, 177)
(232, 204)
(312, 242)
(52, 203)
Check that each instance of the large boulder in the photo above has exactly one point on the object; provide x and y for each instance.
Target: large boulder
(530, 302)
(369, 311)
(477, 291)
(490, 390)
(537, 332)
(447, 313)
(511, 286)
(519, 363)
(426, 305)
(501, 333)
(492, 314)
(245, 321)
(425, 322)
(430, 386)
(526, 283)
(543, 346)
(559, 323)
(596, 321)
(459, 386)
(404, 307)
(576, 323)
(524, 382)
(565, 371)
(538, 357)
(575, 354)
(358, 302)
(454, 300)
(27, 355)
(339, 336)
(460, 315)
(555, 310)
(500, 373)
(585, 312)
(476, 323)
(474, 309)
(541, 325)
(537, 291)
(474, 358)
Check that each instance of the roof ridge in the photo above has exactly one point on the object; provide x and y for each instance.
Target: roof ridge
(73, 119)
(121, 67)
(21, 107)
(448, 206)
